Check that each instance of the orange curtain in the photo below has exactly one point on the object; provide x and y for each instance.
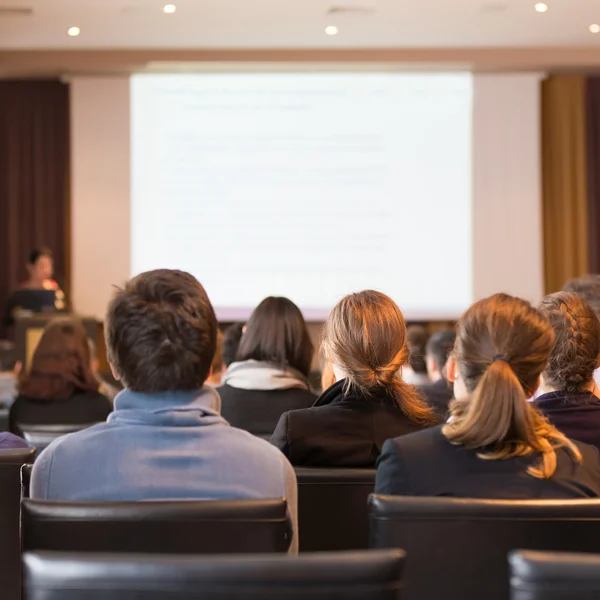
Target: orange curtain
(564, 172)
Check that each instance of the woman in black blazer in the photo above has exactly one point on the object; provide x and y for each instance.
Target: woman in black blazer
(270, 374)
(568, 395)
(365, 342)
(496, 444)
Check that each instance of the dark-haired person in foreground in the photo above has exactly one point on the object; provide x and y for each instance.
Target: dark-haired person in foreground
(165, 438)
(496, 444)
(439, 393)
(270, 374)
(568, 395)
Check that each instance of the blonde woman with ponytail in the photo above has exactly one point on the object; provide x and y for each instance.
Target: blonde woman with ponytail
(495, 444)
(365, 347)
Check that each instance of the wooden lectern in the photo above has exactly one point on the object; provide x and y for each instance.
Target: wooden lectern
(29, 330)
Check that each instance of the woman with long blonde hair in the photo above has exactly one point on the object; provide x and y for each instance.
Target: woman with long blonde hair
(365, 345)
(495, 444)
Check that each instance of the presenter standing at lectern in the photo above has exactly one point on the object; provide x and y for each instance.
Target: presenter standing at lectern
(40, 293)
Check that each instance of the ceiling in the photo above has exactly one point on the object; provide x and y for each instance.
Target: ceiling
(283, 24)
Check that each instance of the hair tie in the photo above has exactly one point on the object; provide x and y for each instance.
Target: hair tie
(500, 357)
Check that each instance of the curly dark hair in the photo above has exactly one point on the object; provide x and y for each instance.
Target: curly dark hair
(574, 357)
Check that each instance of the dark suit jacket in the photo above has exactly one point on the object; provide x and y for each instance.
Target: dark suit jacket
(82, 408)
(340, 430)
(576, 415)
(438, 396)
(258, 411)
(426, 464)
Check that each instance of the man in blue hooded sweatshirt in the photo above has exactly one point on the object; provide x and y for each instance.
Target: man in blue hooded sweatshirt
(166, 438)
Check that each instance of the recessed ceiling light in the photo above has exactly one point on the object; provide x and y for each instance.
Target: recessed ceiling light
(331, 30)
(594, 28)
(169, 9)
(541, 7)
(73, 31)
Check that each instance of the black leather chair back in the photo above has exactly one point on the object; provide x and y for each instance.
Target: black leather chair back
(458, 548)
(41, 436)
(332, 508)
(554, 576)
(367, 575)
(26, 480)
(10, 494)
(170, 527)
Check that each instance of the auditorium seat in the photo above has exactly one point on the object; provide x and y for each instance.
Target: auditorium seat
(41, 436)
(169, 527)
(10, 494)
(458, 548)
(332, 508)
(26, 479)
(554, 576)
(367, 575)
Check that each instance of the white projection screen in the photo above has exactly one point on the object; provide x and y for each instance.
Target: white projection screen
(306, 185)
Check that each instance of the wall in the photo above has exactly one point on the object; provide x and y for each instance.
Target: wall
(507, 203)
(507, 229)
(100, 173)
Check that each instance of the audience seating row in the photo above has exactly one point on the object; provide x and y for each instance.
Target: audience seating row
(10, 557)
(464, 542)
(366, 575)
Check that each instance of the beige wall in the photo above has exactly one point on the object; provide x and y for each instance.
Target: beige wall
(100, 181)
(507, 232)
(507, 205)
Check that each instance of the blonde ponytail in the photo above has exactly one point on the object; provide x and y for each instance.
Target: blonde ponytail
(496, 420)
(365, 335)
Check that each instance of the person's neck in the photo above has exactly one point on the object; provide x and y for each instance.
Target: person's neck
(592, 388)
(34, 284)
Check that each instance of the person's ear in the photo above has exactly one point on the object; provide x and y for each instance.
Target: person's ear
(452, 373)
(431, 365)
(114, 372)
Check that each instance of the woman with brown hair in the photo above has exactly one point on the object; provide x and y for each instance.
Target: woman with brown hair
(495, 444)
(365, 342)
(60, 387)
(270, 373)
(569, 396)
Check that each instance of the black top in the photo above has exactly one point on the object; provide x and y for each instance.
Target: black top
(576, 415)
(427, 464)
(82, 408)
(258, 411)
(438, 396)
(341, 430)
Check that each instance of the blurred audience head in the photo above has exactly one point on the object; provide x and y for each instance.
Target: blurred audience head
(365, 340)
(588, 287)
(502, 346)
(574, 357)
(161, 332)
(277, 333)
(61, 364)
(217, 367)
(438, 349)
(416, 338)
(40, 265)
(231, 343)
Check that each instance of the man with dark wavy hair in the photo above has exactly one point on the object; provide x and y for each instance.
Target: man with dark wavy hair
(166, 438)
